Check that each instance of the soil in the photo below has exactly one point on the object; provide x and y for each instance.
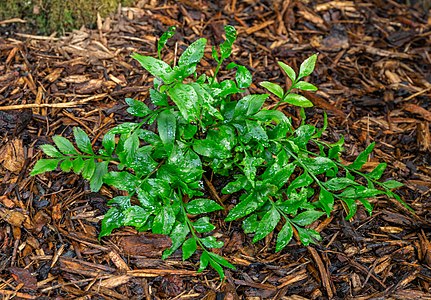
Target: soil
(373, 74)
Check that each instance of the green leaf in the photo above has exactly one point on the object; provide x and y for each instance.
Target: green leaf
(186, 99)
(368, 206)
(250, 164)
(220, 260)
(267, 224)
(211, 242)
(248, 205)
(284, 237)
(44, 165)
(164, 220)
(111, 220)
(189, 247)
(78, 165)
(121, 180)
(178, 236)
(273, 88)
(250, 224)
(303, 180)
(211, 149)
(201, 206)
(193, 53)
(204, 261)
(289, 71)
(378, 171)
(326, 200)
(216, 266)
(249, 105)
(319, 165)
(82, 140)
(108, 143)
(164, 38)
(338, 183)
(305, 86)
(226, 47)
(156, 67)
(243, 77)
(351, 206)
(362, 157)
(203, 225)
(89, 168)
(66, 165)
(97, 178)
(308, 236)
(392, 184)
(125, 127)
(166, 126)
(297, 100)
(307, 66)
(64, 145)
(51, 151)
(121, 202)
(158, 98)
(137, 108)
(235, 186)
(307, 217)
(135, 216)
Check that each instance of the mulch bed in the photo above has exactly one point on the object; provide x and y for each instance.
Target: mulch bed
(373, 74)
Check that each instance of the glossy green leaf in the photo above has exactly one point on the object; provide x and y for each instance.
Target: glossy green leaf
(243, 77)
(164, 220)
(156, 67)
(273, 88)
(201, 206)
(44, 165)
(78, 165)
(326, 200)
(267, 224)
(82, 140)
(51, 151)
(137, 108)
(178, 236)
(367, 205)
(125, 127)
(193, 53)
(166, 126)
(284, 237)
(89, 168)
(64, 145)
(303, 180)
(308, 236)
(186, 99)
(339, 183)
(113, 219)
(289, 71)
(250, 224)
(221, 260)
(211, 242)
(158, 98)
(97, 178)
(249, 105)
(351, 207)
(307, 217)
(392, 184)
(297, 100)
(164, 38)
(305, 86)
(121, 180)
(135, 216)
(66, 165)
(362, 157)
(307, 66)
(378, 171)
(204, 261)
(235, 186)
(189, 247)
(203, 225)
(319, 165)
(250, 166)
(226, 46)
(108, 143)
(121, 202)
(248, 205)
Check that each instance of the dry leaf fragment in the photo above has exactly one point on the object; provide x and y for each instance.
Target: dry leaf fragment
(12, 156)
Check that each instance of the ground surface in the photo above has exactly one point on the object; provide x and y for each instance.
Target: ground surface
(373, 71)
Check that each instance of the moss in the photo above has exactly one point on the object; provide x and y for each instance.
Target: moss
(47, 16)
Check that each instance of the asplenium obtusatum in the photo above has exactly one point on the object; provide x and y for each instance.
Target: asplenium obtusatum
(270, 166)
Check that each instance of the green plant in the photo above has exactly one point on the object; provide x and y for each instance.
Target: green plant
(279, 174)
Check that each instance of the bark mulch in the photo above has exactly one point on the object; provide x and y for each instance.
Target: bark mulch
(373, 71)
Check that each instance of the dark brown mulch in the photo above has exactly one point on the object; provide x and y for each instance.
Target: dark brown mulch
(374, 77)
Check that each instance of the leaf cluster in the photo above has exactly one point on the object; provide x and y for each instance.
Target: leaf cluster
(203, 124)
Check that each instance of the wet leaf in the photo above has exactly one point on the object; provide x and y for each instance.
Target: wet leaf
(156, 67)
(326, 200)
(250, 224)
(308, 236)
(226, 47)
(305, 86)
(201, 206)
(284, 237)
(338, 183)
(193, 53)
(289, 71)
(203, 225)
(211, 242)
(297, 100)
(243, 77)
(362, 157)
(137, 108)
(113, 219)
(392, 184)
(164, 38)
(178, 236)
(164, 220)
(51, 151)
(307, 66)
(186, 99)
(273, 88)
(189, 247)
(44, 165)
(267, 224)
(64, 145)
(97, 178)
(307, 217)
(378, 171)
(166, 126)
(135, 216)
